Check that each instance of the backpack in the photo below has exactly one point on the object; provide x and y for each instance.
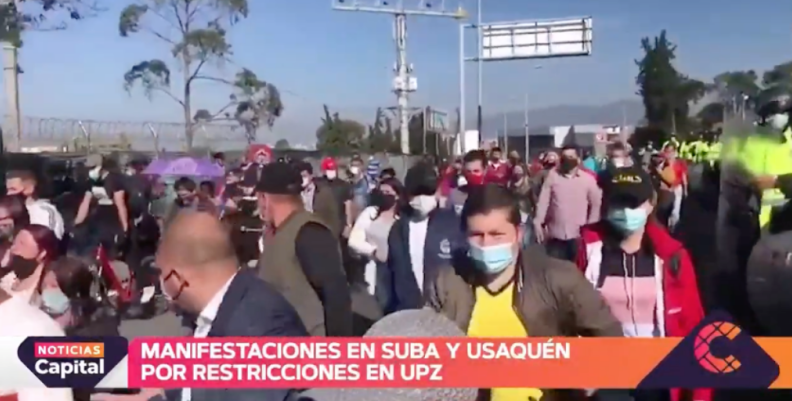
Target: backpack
(769, 282)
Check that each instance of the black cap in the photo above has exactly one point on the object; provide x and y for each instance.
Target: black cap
(280, 179)
(627, 187)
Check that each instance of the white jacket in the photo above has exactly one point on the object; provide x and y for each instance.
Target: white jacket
(44, 213)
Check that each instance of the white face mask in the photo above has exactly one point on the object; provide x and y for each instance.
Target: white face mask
(331, 174)
(618, 162)
(778, 121)
(94, 174)
(355, 170)
(423, 205)
(306, 182)
(461, 181)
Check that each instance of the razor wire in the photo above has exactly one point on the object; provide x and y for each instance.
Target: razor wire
(65, 131)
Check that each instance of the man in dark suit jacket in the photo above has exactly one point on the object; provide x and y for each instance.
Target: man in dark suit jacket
(199, 272)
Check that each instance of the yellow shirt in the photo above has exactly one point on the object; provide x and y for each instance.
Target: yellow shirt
(494, 316)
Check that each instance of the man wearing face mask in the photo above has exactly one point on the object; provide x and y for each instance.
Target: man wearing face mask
(756, 186)
(501, 290)
(360, 186)
(568, 200)
(341, 190)
(23, 183)
(497, 170)
(424, 239)
(302, 256)
(318, 199)
(104, 206)
(472, 174)
(200, 274)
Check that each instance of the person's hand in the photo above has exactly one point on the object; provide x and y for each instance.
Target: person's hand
(143, 395)
(765, 182)
(539, 232)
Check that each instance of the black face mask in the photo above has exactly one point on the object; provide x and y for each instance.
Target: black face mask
(568, 164)
(382, 201)
(22, 268)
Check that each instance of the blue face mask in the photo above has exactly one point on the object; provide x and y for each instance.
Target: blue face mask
(628, 220)
(492, 259)
(55, 301)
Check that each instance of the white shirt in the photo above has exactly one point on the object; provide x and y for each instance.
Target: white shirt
(417, 243)
(204, 323)
(46, 214)
(29, 321)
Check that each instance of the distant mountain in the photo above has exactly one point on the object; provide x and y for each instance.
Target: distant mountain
(631, 111)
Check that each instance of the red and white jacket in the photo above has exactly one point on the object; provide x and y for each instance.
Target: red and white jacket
(678, 309)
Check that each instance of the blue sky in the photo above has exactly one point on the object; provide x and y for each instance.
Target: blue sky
(317, 55)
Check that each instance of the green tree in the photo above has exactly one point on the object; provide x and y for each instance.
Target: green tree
(380, 134)
(711, 114)
(42, 15)
(282, 144)
(736, 90)
(666, 92)
(776, 81)
(338, 136)
(196, 32)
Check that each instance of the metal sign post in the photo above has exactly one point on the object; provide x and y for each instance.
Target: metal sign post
(404, 83)
(521, 40)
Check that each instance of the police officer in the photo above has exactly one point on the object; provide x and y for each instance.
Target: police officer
(756, 184)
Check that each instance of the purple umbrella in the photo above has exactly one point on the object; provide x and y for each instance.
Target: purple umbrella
(185, 166)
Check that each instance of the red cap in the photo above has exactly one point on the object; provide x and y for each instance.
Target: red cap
(328, 163)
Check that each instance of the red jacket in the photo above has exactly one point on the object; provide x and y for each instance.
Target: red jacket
(681, 298)
(498, 174)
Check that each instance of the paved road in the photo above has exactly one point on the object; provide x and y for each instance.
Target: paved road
(163, 325)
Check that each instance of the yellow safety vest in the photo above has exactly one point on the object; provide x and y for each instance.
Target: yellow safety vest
(777, 161)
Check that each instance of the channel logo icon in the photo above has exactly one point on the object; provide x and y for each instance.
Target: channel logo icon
(72, 362)
(703, 351)
(716, 354)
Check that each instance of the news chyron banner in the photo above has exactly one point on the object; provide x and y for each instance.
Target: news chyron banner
(70, 362)
(716, 354)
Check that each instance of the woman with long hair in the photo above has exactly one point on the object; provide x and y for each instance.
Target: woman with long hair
(369, 235)
(34, 247)
(66, 297)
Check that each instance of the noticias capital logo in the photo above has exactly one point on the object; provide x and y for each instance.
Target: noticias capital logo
(76, 362)
(65, 359)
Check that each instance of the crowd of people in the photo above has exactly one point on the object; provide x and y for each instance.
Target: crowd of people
(495, 246)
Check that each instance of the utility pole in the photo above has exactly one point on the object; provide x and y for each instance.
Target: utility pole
(505, 132)
(404, 83)
(525, 124)
(11, 80)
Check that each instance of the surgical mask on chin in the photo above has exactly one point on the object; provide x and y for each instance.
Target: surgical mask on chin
(331, 174)
(779, 121)
(423, 205)
(95, 173)
(628, 220)
(492, 259)
(55, 302)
